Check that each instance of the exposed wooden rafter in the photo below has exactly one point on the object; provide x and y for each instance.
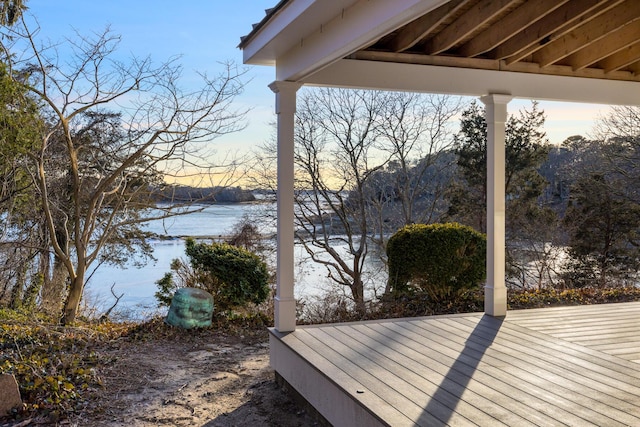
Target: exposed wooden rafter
(608, 45)
(527, 14)
(583, 38)
(589, 33)
(478, 15)
(562, 21)
(626, 57)
(418, 29)
(492, 64)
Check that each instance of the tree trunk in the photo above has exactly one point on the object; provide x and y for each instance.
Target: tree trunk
(73, 299)
(56, 283)
(54, 289)
(20, 284)
(31, 294)
(357, 292)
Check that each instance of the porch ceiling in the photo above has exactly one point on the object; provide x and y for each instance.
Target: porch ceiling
(582, 38)
(470, 47)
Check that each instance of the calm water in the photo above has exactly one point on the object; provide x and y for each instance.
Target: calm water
(138, 284)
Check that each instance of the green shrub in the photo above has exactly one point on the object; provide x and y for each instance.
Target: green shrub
(440, 259)
(166, 288)
(234, 276)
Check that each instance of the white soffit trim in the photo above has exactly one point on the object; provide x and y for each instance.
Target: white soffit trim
(474, 82)
(286, 28)
(351, 29)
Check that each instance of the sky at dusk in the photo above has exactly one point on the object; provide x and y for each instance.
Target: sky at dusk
(207, 32)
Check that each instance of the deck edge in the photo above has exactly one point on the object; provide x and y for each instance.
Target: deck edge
(331, 401)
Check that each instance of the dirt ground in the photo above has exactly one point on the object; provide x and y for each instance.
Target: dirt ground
(207, 380)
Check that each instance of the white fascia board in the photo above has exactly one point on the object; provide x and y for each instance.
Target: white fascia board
(261, 49)
(352, 29)
(364, 74)
(291, 24)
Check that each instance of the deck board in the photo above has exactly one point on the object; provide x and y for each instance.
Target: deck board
(563, 391)
(614, 325)
(373, 379)
(420, 375)
(443, 357)
(535, 361)
(504, 390)
(564, 366)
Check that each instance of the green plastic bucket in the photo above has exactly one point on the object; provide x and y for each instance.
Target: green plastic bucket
(190, 308)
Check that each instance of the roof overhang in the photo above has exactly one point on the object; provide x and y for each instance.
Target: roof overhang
(306, 35)
(565, 50)
(359, 74)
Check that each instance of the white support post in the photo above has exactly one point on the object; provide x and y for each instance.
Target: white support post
(285, 303)
(495, 299)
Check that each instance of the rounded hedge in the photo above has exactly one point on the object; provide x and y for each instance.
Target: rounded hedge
(233, 275)
(438, 258)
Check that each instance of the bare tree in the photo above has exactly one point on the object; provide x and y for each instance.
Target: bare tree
(115, 133)
(417, 135)
(620, 132)
(367, 163)
(337, 132)
(619, 122)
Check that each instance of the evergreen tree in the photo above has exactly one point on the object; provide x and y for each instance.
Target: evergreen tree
(526, 150)
(528, 222)
(603, 215)
(603, 226)
(11, 11)
(468, 196)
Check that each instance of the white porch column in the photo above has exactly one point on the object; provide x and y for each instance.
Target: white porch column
(495, 299)
(285, 303)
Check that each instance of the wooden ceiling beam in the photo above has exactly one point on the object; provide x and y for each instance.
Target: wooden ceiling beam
(590, 32)
(627, 56)
(455, 62)
(469, 21)
(557, 23)
(527, 14)
(610, 44)
(413, 32)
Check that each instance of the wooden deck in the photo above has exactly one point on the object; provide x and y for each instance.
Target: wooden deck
(565, 366)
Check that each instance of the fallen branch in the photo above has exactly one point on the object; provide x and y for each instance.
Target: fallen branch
(106, 314)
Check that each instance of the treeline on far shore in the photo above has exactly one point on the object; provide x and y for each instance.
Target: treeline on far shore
(185, 193)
